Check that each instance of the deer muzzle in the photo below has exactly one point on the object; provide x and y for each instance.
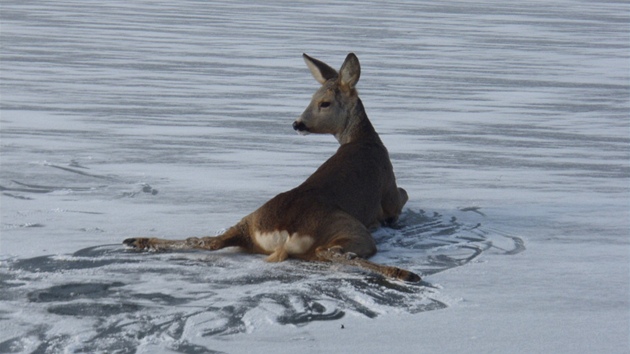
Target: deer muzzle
(300, 127)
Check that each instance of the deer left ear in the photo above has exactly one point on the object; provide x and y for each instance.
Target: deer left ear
(350, 71)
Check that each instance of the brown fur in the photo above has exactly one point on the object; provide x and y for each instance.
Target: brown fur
(327, 217)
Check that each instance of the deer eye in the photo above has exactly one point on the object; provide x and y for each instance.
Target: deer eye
(324, 104)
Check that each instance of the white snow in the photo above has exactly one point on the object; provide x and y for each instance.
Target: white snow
(506, 122)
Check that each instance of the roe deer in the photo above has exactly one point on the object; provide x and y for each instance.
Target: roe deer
(327, 217)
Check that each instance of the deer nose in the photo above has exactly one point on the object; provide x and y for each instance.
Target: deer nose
(299, 126)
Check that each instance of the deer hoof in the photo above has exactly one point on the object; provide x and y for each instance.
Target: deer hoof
(139, 243)
(408, 276)
(350, 255)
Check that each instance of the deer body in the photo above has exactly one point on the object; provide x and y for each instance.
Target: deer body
(326, 218)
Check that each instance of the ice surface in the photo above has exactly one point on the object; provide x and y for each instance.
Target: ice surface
(507, 123)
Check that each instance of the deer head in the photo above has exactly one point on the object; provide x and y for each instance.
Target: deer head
(333, 106)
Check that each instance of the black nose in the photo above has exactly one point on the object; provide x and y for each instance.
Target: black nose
(299, 126)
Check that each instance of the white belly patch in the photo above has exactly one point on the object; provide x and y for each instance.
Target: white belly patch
(293, 244)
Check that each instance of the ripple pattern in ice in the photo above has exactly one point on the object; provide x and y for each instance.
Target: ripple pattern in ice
(122, 298)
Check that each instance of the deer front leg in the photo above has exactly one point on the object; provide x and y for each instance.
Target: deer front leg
(392, 205)
(158, 244)
(232, 237)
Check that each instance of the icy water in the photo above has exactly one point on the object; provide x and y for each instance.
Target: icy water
(507, 122)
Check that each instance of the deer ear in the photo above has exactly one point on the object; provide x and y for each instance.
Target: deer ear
(350, 71)
(320, 70)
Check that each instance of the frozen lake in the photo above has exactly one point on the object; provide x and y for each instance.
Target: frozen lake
(508, 123)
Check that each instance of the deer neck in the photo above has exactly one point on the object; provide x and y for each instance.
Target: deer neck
(358, 127)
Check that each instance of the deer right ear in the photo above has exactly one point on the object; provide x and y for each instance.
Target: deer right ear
(350, 71)
(320, 70)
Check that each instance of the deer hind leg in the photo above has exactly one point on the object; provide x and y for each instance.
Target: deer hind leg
(352, 245)
(338, 255)
(234, 236)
